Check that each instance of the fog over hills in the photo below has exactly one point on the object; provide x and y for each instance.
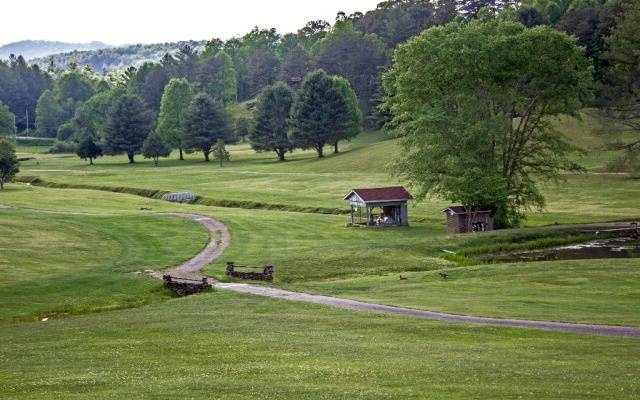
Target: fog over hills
(30, 49)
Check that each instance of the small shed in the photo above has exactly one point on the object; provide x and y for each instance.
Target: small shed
(379, 206)
(461, 220)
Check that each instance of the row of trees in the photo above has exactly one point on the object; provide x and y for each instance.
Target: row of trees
(323, 111)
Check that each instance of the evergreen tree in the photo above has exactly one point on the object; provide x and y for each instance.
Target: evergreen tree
(88, 149)
(175, 101)
(7, 127)
(220, 152)
(8, 162)
(319, 110)
(352, 128)
(154, 147)
(205, 122)
(218, 77)
(272, 120)
(128, 124)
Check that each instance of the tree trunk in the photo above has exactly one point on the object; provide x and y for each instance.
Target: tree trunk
(320, 150)
(131, 160)
(280, 152)
(220, 157)
(206, 156)
(181, 155)
(90, 161)
(155, 161)
(335, 148)
(1, 184)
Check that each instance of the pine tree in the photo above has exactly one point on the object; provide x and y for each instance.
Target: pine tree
(205, 122)
(272, 120)
(319, 110)
(128, 124)
(220, 152)
(154, 147)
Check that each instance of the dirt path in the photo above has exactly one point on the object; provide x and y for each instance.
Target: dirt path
(214, 249)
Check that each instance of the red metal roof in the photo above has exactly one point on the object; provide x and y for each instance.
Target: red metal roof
(381, 194)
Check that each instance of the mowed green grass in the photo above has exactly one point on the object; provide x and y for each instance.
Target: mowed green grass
(318, 253)
(593, 291)
(306, 181)
(54, 265)
(230, 346)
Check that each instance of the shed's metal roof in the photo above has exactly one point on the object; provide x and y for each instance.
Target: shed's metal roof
(370, 195)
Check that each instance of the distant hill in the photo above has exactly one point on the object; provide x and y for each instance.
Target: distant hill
(107, 59)
(30, 49)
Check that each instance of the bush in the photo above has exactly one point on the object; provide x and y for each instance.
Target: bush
(63, 147)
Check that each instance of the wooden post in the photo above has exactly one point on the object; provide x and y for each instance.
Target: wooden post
(352, 215)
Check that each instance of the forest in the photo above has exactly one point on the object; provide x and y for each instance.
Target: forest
(250, 87)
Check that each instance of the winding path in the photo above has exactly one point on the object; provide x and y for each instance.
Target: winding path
(220, 239)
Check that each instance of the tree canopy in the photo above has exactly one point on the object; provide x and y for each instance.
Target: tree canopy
(477, 96)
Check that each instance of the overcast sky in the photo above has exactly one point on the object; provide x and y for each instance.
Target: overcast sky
(152, 21)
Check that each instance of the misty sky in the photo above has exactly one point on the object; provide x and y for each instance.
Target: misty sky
(147, 21)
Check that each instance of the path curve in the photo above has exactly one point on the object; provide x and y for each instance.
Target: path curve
(215, 248)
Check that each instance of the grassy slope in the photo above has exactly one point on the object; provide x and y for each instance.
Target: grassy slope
(204, 347)
(54, 265)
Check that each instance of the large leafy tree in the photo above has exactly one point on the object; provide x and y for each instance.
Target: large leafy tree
(176, 99)
(128, 124)
(272, 120)
(8, 162)
(7, 127)
(474, 99)
(91, 117)
(49, 114)
(217, 77)
(352, 128)
(319, 110)
(206, 121)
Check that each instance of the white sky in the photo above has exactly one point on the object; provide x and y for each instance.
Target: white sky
(152, 21)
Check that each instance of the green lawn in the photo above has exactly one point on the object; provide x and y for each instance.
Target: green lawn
(592, 291)
(230, 346)
(55, 264)
(140, 342)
